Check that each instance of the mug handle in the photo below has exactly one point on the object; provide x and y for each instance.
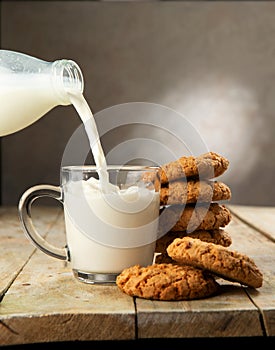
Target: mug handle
(24, 209)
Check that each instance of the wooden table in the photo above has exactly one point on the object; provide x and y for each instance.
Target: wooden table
(42, 302)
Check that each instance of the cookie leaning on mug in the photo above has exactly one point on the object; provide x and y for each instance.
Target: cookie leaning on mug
(219, 260)
(217, 236)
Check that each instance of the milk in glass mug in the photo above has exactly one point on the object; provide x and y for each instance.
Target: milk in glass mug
(109, 226)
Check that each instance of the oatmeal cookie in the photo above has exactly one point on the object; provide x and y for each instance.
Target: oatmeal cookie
(205, 166)
(228, 264)
(190, 218)
(167, 282)
(218, 236)
(193, 191)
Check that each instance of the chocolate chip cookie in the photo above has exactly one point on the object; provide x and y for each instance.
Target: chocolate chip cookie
(167, 282)
(190, 218)
(193, 191)
(205, 166)
(228, 264)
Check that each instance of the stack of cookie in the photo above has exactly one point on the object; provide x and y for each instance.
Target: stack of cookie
(192, 250)
(189, 200)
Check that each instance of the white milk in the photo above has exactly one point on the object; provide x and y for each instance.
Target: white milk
(107, 229)
(90, 256)
(104, 238)
(88, 120)
(23, 103)
(130, 229)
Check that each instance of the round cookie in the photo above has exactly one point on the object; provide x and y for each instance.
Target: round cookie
(218, 236)
(205, 166)
(167, 282)
(190, 218)
(228, 264)
(193, 191)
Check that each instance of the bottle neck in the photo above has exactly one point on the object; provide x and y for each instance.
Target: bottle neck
(67, 77)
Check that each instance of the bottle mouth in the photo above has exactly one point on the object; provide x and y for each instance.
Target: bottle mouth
(69, 78)
(72, 76)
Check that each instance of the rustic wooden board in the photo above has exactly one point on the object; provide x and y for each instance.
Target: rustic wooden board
(262, 218)
(226, 315)
(47, 304)
(45, 296)
(15, 248)
(260, 245)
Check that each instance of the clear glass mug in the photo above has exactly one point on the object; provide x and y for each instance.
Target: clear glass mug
(106, 230)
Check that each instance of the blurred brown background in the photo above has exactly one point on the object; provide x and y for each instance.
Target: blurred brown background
(214, 62)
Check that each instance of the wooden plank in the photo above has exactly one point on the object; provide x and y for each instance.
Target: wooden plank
(230, 314)
(262, 218)
(46, 303)
(257, 244)
(15, 248)
(225, 315)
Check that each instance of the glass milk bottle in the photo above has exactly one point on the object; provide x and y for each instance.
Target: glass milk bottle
(30, 87)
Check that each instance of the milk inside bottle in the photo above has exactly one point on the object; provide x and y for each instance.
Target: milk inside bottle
(30, 87)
